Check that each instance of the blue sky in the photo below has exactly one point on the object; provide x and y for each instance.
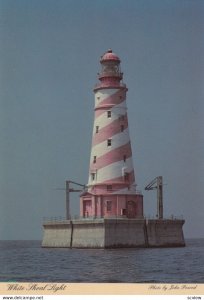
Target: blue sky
(49, 59)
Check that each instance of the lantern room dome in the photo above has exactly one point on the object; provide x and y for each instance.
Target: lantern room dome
(109, 56)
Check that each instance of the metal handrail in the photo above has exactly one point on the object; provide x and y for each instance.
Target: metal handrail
(110, 73)
(116, 84)
(76, 217)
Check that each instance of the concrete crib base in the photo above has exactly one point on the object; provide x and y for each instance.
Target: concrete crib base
(114, 233)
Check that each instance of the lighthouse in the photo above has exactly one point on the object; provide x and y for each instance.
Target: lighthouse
(111, 208)
(112, 189)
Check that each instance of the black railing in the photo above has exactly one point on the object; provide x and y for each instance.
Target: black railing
(108, 84)
(76, 217)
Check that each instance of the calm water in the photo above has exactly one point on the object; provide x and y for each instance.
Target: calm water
(27, 261)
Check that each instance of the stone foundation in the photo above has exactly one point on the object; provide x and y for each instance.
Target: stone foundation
(114, 233)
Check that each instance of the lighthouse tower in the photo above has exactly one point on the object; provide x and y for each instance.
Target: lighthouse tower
(111, 208)
(111, 184)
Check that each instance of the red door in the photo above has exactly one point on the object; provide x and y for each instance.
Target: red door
(87, 209)
(131, 209)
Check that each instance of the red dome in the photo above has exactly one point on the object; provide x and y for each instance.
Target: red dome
(109, 55)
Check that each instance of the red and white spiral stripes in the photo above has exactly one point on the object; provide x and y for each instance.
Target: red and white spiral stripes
(111, 156)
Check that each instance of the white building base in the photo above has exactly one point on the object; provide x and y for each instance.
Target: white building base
(114, 233)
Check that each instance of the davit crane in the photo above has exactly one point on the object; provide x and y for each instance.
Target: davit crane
(157, 184)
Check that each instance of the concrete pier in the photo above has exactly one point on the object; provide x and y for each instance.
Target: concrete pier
(113, 233)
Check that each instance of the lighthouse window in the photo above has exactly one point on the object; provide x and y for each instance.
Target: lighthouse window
(122, 128)
(93, 176)
(126, 176)
(109, 114)
(97, 128)
(122, 118)
(124, 158)
(109, 187)
(94, 159)
(109, 205)
(109, 142)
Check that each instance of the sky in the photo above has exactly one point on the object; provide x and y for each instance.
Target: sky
(49, 60)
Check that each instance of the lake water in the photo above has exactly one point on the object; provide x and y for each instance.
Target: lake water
(26, 261)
